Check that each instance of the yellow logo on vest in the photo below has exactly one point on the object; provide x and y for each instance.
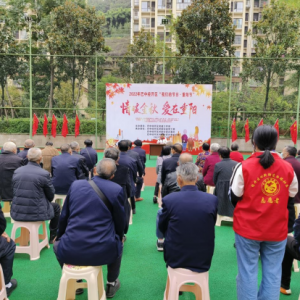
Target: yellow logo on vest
(270, 187)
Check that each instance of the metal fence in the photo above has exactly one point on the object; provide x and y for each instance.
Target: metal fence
(44, 84)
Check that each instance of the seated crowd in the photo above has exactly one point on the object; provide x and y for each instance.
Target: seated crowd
(259, 193)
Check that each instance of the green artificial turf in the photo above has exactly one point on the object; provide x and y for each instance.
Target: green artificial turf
(143, 273)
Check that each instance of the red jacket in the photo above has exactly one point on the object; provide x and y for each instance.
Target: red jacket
(262, 213)
(237, 156)
(209, 168)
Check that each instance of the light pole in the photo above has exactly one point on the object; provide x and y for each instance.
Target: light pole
(29, 20)
(164, 22)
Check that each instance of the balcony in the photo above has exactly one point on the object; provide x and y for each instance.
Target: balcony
(181, 6)
(136, 3)
(136, 28)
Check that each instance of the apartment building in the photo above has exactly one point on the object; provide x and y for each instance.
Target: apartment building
(148, 15)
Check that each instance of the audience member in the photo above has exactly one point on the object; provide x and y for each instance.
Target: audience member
(65, 170)
(261, 189)
(171, 186)
(139, 180)
(292, 251)
(9, 162)
(298, 155)
(13, 141)
(126, 161)
(209, 164)
(122, 178)
(222, 174)
(141, 152)
(169, 165)
(169, 144)
(202, 157)
(165, 154)
(81, 160)
(33, 193)
(90, 155)
(48, 152)
(162, 140)
(27, 145)
(187, 221)
(7, 251)
(91, 227)
(235, 155)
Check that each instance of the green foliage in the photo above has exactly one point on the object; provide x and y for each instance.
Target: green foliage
(204, 29)
(23, 125)
(105, 5)
(277, 39)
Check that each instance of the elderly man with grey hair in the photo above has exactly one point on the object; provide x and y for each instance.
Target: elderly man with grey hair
(81, 160)
(91, 226)
(33, 194)
(209, 165)
(9, 162)
(122, 178)
(13, 141)
(29, 143)
(188, 222)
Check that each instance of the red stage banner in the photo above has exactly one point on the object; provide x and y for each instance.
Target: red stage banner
(233, 131)
(247, 132)
(45, 128)
(35, 124)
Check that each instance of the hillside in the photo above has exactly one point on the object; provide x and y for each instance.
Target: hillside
(105, 5)
(118, 45)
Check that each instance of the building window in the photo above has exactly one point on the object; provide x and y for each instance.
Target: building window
(235, 86)
(256, 3)
(237, 6)
(247, 17)
(254, 42)
(237, 53)
(182, 4)
(237, 39)
(136, 27)
(238, 23)
(246, 29)
(152, 22)
(245, 43)
(256, 17)
(146, 22)
(236, 71)
(145, 6)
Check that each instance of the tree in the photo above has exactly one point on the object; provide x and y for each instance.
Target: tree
(133, 67)
(277, 39)
(204, 29)
(76, 33)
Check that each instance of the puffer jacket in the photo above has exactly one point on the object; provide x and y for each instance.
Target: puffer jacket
(33, 191)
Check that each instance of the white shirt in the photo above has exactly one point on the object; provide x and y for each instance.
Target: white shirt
(162, 141)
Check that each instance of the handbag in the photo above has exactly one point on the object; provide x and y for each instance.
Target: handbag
(101, 195)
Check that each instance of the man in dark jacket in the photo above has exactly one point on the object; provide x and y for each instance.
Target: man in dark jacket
(122, 178)
(292, 251)
(81, 160)
(139, 180)
(169, 165)
(7, 251)
(9, 162)
(126, 161)
(183, 213)
(33, 193)
(141, 152)
(27, 145)
(90, 155)
(65, 170)
(89, 233)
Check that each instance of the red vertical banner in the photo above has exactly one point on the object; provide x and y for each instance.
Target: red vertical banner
(247, 131)
(35, 124)
(261, 122)
(276, 126)
(233, 131)
(45, 126)
(53, 126)
(64, 130)
(77, 126)
(294, 132)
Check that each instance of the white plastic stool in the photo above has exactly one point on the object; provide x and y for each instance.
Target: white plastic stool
(62, 199)
(223, 218)
(177, 279)
(29, 239)
(297, 209)
(6, 210)
(295, 262)
(130, 218)
(210, 189)
(94, 282)
(3, 295)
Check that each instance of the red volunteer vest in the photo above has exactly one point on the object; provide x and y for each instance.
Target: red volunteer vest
(262, 213)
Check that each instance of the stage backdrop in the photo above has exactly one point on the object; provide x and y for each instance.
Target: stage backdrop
(144, 111)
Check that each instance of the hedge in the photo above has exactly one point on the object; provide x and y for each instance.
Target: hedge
(20, 125)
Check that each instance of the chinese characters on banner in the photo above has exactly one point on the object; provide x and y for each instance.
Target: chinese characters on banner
(144, 111)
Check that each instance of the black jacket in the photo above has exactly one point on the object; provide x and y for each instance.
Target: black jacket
(3, 241)
(135, 156)
(91, 156)
(33, 192)
(82, 165)
(23, 155)
(9, 162)
(169, 165)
